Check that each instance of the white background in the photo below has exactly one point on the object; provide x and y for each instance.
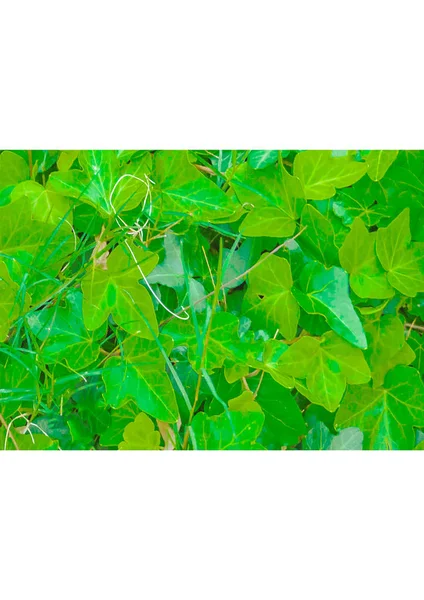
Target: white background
(221, 74)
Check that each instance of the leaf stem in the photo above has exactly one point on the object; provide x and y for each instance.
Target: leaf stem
(206, 341)
(413, 326)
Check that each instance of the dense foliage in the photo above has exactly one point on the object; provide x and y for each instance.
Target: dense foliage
(211, 299)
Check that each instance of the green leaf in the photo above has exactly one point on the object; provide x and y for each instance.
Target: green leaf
(284, 424)
(13, 169)
(320, 438)
(46, 206)
(228, 431)
(386, 346)
(223, 341)
(275, 199)
(326, 292)
(139, 374)
(321, 173)
(64, 337)
(140, 435)
(119, 419)
(327, 365)
(358, 257)
(101, 175)
(386, 415)
(170, 272)
(318, 239)
(259, 159)
(404, 188)
(114, 289)
(350, 438)
(269, 301)
(180, 189)
(403, 261)
(66, 159)
(378, 161)
(33, 251)
(365, 199)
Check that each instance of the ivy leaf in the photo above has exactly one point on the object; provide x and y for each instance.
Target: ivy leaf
(115, 290)
(350, 438)
(181, 189)
(66, 159)
(404, 188)
(320, 438)
(33, 251)
(276, 199)
(224, 342)
(100, 176)
(170, 272)
(268, 361)
(259, 159)
(269, 302)
(365, 199)
(232, 430)
(321, 173)
(386, 415)
(358, 257)
(403, 261)
(140, 434)
(140, 375)
(119, 419)
(64, 337)
(386, 342)
(44, 159)
(43, 246)
(13, 170)
(284, 424)
(379, 161)
(327, 365)
(326, 292)
(46, 206)
(318, 239)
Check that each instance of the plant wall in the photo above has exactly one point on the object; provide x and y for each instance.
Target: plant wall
(211, 300)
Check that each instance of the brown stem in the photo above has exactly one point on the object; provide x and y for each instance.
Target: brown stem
(253, 373)
(245, 384)
(204, 169)
(413, 326)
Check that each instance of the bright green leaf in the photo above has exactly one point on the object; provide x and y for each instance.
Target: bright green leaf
(321, 173)
(326, 292)
(386, 415)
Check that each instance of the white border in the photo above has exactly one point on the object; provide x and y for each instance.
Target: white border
(246, 525)
(234, 73)
(274, 74)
